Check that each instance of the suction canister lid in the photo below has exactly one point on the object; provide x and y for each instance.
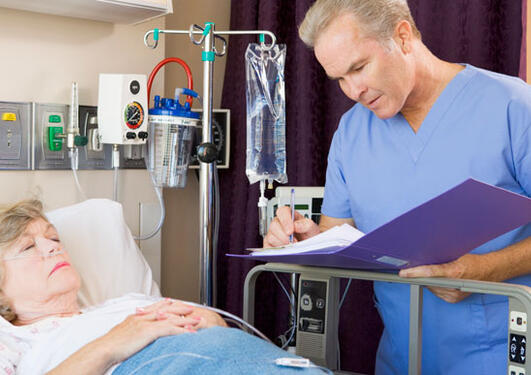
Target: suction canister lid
(172, 107)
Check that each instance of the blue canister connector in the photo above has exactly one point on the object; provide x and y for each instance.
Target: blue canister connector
(172, 107)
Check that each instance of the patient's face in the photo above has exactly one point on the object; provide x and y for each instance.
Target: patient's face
(37, 268)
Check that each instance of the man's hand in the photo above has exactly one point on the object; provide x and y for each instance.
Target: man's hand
(283, 225)
(469, 266)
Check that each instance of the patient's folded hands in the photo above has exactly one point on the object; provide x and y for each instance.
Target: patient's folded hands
(208, 318)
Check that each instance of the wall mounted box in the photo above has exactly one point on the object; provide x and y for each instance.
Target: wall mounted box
(95, 155)
(15, 136)
(46, 116)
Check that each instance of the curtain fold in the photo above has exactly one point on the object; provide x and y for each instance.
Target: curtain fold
(484, 33)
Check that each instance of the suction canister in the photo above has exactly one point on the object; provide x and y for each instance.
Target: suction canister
(171, 128)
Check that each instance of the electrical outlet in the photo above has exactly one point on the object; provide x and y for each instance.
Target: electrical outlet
(95, 155)
(15, 135)
(47, 119)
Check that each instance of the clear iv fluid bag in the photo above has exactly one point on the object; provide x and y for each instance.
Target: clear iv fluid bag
(266, 113)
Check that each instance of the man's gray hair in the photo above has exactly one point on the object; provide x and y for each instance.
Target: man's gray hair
(378, 18)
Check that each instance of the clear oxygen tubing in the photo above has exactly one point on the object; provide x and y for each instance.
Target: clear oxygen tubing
(158, 191)
(116, 165)
(74, 154)
(231, 316)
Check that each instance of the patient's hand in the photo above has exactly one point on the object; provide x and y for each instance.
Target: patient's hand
(163, 318)
(208, 318)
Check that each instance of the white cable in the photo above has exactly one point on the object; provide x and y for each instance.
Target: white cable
(282, 286)
(344, 294)
(116, 165)
(293, 330)
(73, 153)
(231, 316)
(158, 191)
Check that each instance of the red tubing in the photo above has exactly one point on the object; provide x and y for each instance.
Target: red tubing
(160, 65)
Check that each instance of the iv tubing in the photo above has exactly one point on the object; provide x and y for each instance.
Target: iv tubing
(160, 65)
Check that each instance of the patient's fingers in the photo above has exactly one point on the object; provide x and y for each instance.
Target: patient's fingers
(176, 320)
(166, 305)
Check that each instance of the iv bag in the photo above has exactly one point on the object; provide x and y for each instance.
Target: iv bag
(266, 114)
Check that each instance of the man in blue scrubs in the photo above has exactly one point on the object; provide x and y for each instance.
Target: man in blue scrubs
(421, 126)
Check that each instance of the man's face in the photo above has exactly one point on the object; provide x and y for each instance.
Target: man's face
(368, 72)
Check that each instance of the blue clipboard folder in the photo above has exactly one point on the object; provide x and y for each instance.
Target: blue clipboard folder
(438, 231)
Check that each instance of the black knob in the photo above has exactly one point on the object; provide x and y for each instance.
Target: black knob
(207, 152)
(130, 135)
(142, 135)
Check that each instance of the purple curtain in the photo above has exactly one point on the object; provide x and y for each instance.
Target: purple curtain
(486, 33)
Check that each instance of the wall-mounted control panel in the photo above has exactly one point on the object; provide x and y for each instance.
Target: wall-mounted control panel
(517, 339)
(50, 120)
(15, 135)
(220, 137)
(95, 155)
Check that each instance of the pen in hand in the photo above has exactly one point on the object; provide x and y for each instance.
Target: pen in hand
(292, 206)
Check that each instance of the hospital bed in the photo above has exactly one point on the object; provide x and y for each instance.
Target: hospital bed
(322, 346)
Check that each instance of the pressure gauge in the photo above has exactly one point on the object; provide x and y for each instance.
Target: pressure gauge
(134, 115)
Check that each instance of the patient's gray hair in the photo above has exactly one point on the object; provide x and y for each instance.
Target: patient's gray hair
(378, 18)
(14, 219)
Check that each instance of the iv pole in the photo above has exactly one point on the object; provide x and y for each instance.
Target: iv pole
(207, 151)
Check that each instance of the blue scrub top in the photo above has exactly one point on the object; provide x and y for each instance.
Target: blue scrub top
(379, 169)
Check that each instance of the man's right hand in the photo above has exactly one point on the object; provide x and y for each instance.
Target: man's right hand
(283, 225)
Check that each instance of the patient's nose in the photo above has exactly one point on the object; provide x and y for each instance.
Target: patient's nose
(47, 247)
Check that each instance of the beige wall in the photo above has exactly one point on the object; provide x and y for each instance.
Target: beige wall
(40, 55)
(180, 236)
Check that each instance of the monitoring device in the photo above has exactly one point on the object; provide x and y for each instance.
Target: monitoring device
(308, 201)
(123, 109)
(317, 319)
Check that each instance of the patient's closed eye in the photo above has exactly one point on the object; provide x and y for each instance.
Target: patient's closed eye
(29, 247)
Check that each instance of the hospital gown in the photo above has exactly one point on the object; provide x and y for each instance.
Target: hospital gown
(39, 347)
(479, 127)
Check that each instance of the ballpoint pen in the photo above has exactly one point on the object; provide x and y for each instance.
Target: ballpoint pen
(292, 206)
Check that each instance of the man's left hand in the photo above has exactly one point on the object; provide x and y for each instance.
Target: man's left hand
(469, 266)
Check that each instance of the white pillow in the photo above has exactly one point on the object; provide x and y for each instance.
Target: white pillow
(102, 250)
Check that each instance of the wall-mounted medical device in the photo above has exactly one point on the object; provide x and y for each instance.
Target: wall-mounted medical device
(15, 135)
(50, 120)
(308, 201)
(123, 109)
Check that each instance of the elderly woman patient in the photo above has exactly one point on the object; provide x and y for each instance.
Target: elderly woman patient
(43, 329)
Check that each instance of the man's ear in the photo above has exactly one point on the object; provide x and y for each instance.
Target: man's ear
(403, 36)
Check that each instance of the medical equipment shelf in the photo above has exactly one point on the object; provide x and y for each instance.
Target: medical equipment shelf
(519, 298)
